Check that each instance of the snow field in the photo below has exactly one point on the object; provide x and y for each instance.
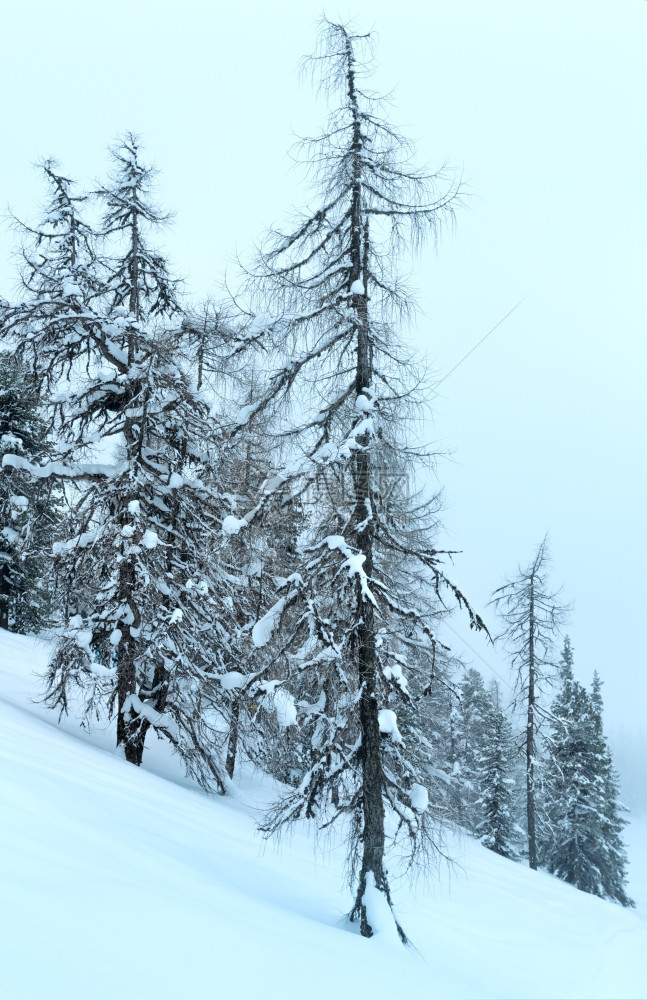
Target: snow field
(118, 880)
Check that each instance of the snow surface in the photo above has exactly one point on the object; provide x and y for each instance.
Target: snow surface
(70, 288)
(378, 912)
(283, 704)
(388, 723)
(363, 404)
(231, 525)
(233, 680)
(150, 539)
(419, 797)
(262, 631)
(119, 880)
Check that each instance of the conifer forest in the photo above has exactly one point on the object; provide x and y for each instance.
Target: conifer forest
(223, 519)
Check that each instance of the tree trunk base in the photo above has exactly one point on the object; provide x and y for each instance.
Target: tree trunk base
(232, 743)
(132, 736)
(359, 913)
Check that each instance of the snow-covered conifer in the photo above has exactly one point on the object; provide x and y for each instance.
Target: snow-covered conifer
(470, 724)
(364, 590)
(151, 619)
(582, 822)
(496, 827)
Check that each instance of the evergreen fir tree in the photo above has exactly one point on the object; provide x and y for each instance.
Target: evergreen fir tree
(497, 828)
(614, 878)
(582, 824)
(471, 723)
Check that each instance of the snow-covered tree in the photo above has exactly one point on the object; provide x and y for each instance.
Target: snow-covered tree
(256, 559)
(496, 826)
(28, 508)
(152, 620)
(137, 277)
(614, 878)
(430, 722)
(470, 723)
(532, 614)
(582, 822)
(363, 595)
(474, 760)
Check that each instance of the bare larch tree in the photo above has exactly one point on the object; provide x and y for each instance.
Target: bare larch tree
(365, 595)
(532, 614)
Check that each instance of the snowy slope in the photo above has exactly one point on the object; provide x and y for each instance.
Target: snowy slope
(119, 881)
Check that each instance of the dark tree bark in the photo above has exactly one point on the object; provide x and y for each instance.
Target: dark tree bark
(530, 734)
(232, 741)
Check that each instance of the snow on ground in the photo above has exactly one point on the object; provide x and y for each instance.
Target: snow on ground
(121, 881)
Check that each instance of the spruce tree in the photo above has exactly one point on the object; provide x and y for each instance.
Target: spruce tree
(471, 722)
(363, 591)
(614, 879)
(581, 841)
(496, 826)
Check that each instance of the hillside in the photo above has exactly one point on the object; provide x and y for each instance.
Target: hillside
(126, 882)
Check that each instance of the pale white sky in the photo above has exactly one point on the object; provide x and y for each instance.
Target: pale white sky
(541, 104)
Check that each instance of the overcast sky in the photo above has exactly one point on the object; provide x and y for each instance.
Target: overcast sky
(540, 104)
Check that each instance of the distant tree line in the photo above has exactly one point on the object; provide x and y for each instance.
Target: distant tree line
(478, 777)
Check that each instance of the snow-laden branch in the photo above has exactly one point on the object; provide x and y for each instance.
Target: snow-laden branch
(160, 720)
(354, 561)
(82, 470)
